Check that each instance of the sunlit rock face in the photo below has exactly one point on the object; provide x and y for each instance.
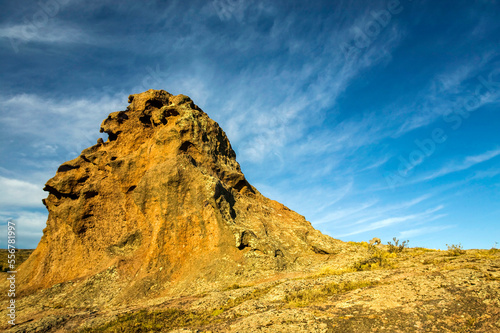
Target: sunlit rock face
(162, 207)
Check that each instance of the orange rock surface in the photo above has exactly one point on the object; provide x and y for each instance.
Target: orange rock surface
(164, 204)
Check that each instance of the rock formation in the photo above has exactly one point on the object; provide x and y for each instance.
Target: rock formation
(157, 230)
(161, 207)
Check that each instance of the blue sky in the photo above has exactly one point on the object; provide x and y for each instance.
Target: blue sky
(371, 119)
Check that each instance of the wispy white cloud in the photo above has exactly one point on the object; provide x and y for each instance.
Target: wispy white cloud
(423, 231)
(482, 174)
(49, 34)
(310, 199)
(388, 222)
(450, 168)
(280, 105)
(340, 214)
(19, 202)
(450, 82)
(449, 91)
(361, 213)
(472, 160)
(467, 163)
(230, 9)
(20, 193)
(49, 123)
(29, 226)
(381, 161)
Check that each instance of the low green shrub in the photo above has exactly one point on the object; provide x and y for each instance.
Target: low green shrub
(455, 249)
(396, 247)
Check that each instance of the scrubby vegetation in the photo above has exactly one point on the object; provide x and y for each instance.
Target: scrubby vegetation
(158, 321)
(233, 287)
(396, 247)
(328, 271)
(455, 249)
(379, 258)
(493, 251)
(254, 294)
(153, 321)
(305, 297)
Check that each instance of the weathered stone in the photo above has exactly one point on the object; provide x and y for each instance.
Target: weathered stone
(164, 203)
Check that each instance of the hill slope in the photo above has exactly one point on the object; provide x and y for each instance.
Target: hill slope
(163, 207)
(157, 229)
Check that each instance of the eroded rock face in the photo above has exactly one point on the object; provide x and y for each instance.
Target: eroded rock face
(163, 206)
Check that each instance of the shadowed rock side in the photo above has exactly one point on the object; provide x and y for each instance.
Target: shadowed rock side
(162, 207)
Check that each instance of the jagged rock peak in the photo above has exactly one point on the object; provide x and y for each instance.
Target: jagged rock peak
(151, 111)
(162, 204)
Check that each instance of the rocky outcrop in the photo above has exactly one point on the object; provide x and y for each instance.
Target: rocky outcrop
(163, 207)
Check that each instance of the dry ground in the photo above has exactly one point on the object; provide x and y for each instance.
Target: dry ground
(417, 290)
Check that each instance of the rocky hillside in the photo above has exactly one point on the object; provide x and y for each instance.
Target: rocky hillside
(416, 290)
(157, 229)
(162, 207)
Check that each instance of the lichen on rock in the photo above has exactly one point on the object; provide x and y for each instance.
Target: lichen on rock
(164, 203)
